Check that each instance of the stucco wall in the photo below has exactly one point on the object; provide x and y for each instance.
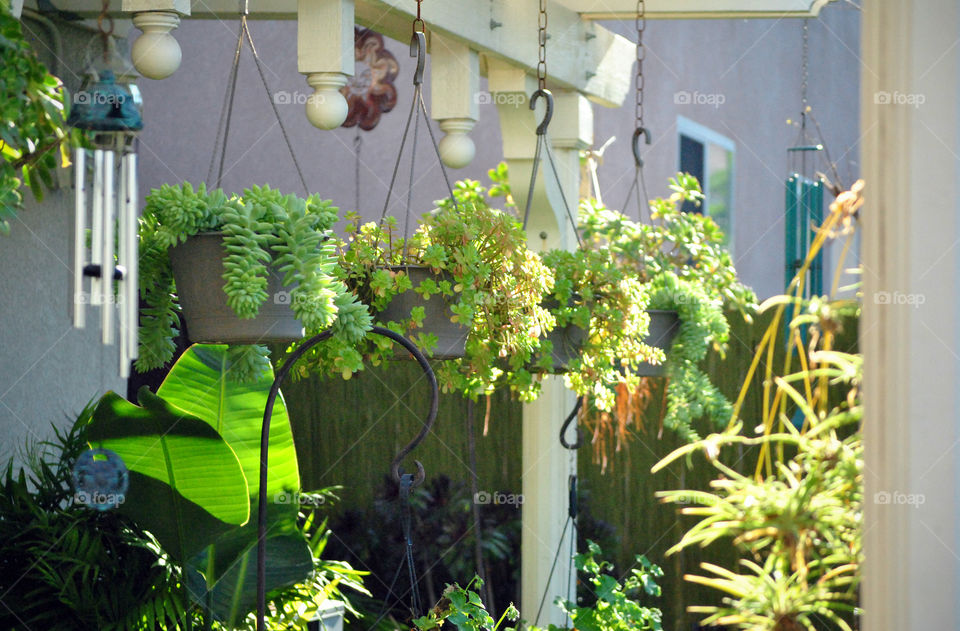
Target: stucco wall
(48, 370)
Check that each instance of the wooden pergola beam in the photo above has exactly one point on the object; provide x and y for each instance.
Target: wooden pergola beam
(581, 55)
(696, 9)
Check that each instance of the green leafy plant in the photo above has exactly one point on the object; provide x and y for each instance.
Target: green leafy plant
(64, 566)
(33, 108)
(689, 244)
(463, 608)
(615, 605)
(261, 229)
(592, 292)
(676, 263)
(193, 452)
(797, 520)
(481, 267)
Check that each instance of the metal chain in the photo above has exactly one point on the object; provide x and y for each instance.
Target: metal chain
(542, 39)
(419, 20)
(105, 33)
(804, 72)
(641, 24)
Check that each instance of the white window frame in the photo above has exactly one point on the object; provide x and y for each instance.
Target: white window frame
(708, 137)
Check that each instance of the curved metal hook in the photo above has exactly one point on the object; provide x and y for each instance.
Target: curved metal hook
(431, 415)
(636, 146)
(418, 49)
(570, 419)
(265, 443)
(542, 127)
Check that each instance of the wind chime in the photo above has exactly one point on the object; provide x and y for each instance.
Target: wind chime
(804, 193)
(107, 107)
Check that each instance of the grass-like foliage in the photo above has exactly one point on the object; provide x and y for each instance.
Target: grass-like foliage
(797, 518)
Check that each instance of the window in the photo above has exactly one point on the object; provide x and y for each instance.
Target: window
(708, 156)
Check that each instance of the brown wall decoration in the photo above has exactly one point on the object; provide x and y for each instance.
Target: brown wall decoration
(370, 91)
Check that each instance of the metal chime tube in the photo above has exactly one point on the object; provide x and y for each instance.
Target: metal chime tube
(131, 281)
(123, 253)
(106, 245)
(79, 238)
(96, 232)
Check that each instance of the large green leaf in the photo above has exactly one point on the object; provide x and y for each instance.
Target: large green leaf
(186, 484)
(200, 384)
(234, 561)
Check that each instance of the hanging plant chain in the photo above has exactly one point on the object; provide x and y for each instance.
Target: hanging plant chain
(542, 41)
(417, 107)
(639, 186)
(641, 25)
(543, 145)
(226, 114)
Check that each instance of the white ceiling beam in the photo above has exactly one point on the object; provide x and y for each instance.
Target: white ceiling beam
(581, 56)
(695, 9)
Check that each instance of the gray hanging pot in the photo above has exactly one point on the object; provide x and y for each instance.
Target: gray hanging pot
(567, 342)
(663, 328)
(451, 336)
(198, 272)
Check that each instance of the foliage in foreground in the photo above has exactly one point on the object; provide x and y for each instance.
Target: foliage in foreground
(179, 549)
(798, 520)
(615, 604)
(33, 108)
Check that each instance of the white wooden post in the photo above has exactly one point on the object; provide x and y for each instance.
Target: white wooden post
(909, 330)
(547, 465)
(156, 53)
(454, 97)
(325, 53)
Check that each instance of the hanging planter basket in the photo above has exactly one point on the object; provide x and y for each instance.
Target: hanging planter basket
(567, 342)
(198, 272)
(451, 336)
(663, 328)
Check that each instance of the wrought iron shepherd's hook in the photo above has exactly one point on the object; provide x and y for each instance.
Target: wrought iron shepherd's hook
(265, 443)
(578, 442)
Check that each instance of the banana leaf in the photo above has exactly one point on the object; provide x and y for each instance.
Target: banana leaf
(186, 484)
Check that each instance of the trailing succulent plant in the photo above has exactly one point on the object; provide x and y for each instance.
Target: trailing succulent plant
(592, 292)
(481, 268)
(689, 244)
(681, 265)
(262, 228)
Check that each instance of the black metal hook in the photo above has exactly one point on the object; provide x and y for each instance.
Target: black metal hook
(418, 49)
(265, 443)
(570, 419)
(636, 146)
(542, 127)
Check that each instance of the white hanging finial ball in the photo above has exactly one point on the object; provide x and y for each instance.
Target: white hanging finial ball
(156, 54)
(327, 107)
(456, 148)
